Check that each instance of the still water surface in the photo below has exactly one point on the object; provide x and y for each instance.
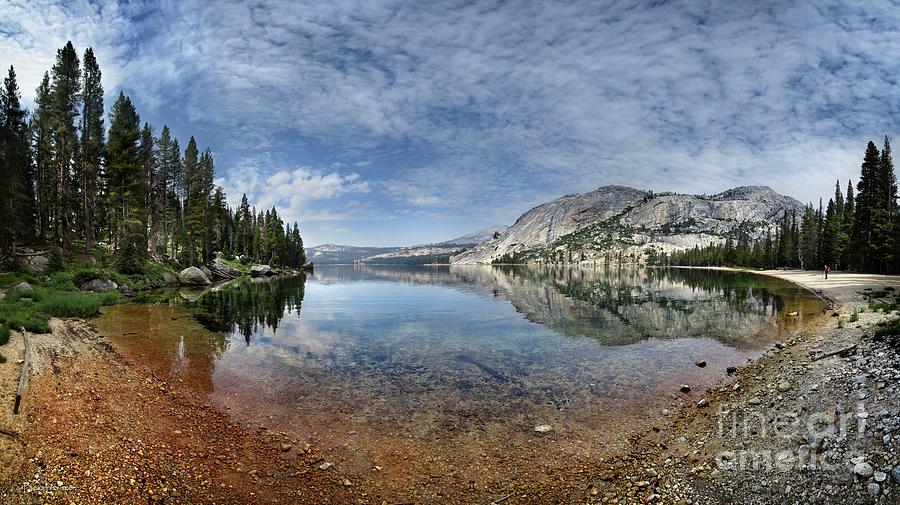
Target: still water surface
(439, 375)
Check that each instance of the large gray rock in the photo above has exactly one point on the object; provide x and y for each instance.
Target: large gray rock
(23, 287)
(206, 272)
(100, 286)
(220, 266)
(37, 263)
(193, 276)
(260, 270)
(170, 279)
(635, 220)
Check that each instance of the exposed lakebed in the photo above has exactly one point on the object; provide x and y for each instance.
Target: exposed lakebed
(437, 376)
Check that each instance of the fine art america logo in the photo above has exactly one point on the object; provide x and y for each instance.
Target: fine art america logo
(810, 436)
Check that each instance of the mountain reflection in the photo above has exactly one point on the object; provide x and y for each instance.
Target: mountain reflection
(613, 306)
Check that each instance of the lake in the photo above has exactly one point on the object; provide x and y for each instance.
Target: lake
(414, 380)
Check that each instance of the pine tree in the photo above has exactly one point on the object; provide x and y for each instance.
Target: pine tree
(165, 185)
(830, 236)
(245, 228)
(127, 184)
(16, 190)
(193, 211)
(65, 99)
(206, 176)
(866, 198)
(147, 154)
(808, 244)
(884, 198)
(42, 133)
(91, 147)
(848, 225)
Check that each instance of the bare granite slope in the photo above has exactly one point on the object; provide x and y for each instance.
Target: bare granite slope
(620, 222)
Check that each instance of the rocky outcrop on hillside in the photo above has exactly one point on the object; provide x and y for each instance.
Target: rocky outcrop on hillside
(616, 224)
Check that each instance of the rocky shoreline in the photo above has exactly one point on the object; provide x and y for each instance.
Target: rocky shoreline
(815, 419)
(100, 426)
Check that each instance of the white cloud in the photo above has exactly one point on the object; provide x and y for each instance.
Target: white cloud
(512, 102)
(289, 190)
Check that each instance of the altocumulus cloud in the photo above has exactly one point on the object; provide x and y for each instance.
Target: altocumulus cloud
(478, 110)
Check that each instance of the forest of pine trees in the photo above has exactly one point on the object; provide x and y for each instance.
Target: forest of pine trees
(855, 231)
(70, 182)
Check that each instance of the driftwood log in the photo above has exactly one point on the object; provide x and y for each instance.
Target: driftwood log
(834, 353)
(23, 378)
(222, 274)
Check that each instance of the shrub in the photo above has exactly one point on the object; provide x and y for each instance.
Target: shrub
(130, 258)
(64, 281)
(840, 323)
(56, 262)
(12, 278)
(4, 334)
(89, 274)
(14, 264)
(855, 316)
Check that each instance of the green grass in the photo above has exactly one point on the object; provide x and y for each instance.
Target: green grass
(236, 265)
(889, 331)
(10, 279)
(24, 315)
(4, 334)
(888, 328)
(855, 316)
(840, 323)
(875, 306)
(32, 311)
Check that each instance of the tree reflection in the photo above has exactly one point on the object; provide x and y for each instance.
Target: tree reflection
(248, 305)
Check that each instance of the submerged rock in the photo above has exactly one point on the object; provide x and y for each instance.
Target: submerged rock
(684, 388)
(193, 276)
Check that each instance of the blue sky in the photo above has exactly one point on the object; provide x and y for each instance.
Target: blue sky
(399, 122)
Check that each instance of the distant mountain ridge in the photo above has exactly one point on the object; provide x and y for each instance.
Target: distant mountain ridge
(417, 254)
(618, 224)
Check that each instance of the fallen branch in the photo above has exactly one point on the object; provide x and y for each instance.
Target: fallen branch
(834, 353)
(501, 499)
(26, 255)
(220, 273)
(23, 378)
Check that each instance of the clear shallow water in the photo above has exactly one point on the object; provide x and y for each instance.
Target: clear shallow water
(439, 374)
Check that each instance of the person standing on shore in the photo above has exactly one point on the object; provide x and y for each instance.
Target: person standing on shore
(826, 271)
